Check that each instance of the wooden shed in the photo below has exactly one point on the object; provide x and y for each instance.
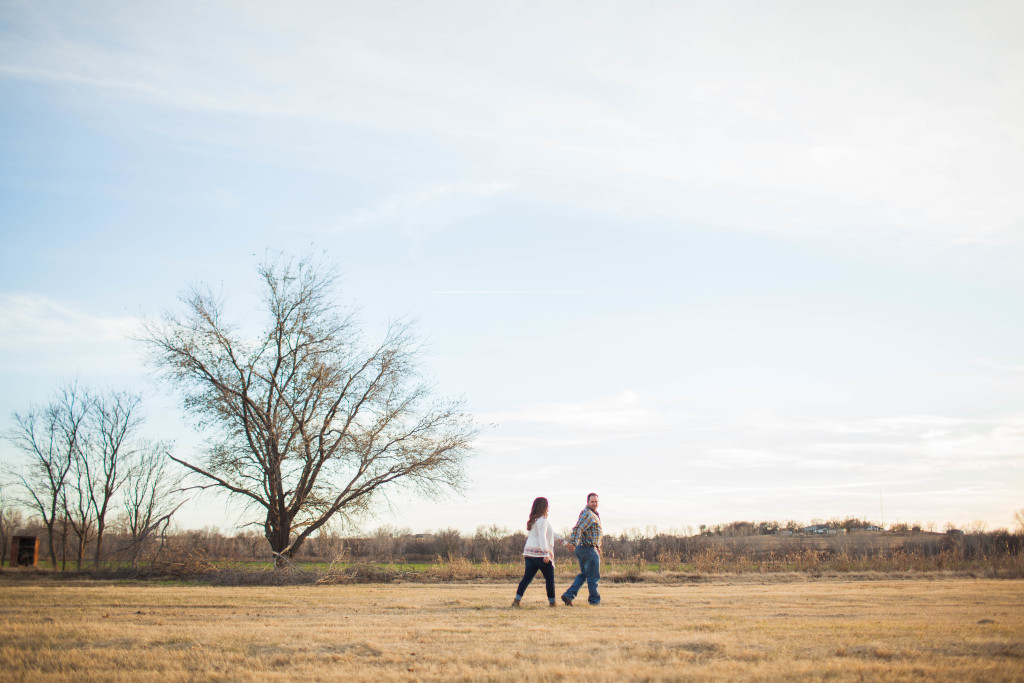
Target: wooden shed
(24, 551)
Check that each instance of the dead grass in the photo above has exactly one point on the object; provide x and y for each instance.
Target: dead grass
(731, 627)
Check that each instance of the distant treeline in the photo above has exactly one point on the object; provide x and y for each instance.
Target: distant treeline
(725, 547)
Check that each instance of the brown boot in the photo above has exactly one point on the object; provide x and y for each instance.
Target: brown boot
(515, 602)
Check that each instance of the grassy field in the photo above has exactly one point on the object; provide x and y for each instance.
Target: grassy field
(742, 627)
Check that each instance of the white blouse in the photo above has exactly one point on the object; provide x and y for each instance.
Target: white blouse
(541, 541)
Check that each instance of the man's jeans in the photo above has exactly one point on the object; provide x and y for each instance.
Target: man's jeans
(590, 571)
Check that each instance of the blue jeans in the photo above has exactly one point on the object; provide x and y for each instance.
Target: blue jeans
(590, 571)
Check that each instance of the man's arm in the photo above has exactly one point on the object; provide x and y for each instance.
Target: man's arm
(574, 537)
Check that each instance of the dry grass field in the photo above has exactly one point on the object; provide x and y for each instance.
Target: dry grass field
(742, 627)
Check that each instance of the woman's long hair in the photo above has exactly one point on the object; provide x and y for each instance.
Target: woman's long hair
(540, 506)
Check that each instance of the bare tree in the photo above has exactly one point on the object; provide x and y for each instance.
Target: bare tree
(977, 526)
(449, 543)
(8, 521)
(308, 424)
(490, 539)
(329, 544)
(1018, 519)
(110, 447)
(76, 502)
(63, 532)
(388, 543)
(4, 533)
(49, 437)
(151, 495)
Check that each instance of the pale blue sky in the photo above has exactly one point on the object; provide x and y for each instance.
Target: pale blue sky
(716, 261)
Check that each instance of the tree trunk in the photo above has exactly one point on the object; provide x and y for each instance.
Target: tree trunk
(64, 545)
(81, 551)
(279, 539)
(53, 546)
(99, 543)
(277, 536)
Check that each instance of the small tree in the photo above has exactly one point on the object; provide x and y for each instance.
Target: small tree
(48, 436)
(152, 494)
(76, 502)
(305, 423)
(110, 447)
(489, 539)
(388, 543)
(977, 526)
(448, 543)
(10, 520)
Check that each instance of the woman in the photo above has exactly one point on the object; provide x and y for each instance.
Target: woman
(539, 552)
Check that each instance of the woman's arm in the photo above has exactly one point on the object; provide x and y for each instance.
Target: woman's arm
(548, 533)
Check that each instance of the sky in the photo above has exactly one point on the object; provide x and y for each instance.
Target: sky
(714, 261)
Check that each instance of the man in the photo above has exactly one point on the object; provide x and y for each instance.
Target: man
(586, 539)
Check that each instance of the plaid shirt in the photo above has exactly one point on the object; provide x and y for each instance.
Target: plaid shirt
(587, 530)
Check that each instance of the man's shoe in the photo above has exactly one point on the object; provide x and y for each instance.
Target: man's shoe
(515, 602)
(567, 600)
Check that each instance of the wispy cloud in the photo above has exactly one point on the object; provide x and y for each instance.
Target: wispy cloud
(1000, 367)
(47, 335)
(514, 292)
(42, 75)
(755, 122)
(624, 412)
(908, 446)
(427, 211)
